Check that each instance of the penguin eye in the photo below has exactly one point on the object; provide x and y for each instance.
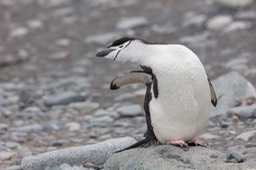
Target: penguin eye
(121, 46)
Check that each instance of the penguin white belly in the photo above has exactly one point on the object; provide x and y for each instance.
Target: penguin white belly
(182, 108)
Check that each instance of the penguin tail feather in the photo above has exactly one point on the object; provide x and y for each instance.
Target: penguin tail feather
(144, 143)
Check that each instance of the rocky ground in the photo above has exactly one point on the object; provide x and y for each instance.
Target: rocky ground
(55, 93)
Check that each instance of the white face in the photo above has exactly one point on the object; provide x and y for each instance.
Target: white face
(113, 52)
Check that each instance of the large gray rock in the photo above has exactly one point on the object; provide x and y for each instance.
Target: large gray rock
(231, 88)
(167, 157)
(95, 154)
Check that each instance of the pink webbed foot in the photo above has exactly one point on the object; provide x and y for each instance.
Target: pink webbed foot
(197, 142)
(180, 143)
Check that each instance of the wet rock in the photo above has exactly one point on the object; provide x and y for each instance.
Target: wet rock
(6, 155)
(165, 157)
(244, 111)
(96, 154)
(230, 88)
(64, 99)
(102, 39)
(130, 110)
(129, 23)
(246, 135)
(234, 4)
(219, 22)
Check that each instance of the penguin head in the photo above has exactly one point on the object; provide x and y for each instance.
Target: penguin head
(118, 49)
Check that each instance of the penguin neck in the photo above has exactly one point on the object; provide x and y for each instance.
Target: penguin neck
(139, 52)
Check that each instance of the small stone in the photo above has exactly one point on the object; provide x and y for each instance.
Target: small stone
(243, 111)
(246, 15)
(207, 136)
(235, 4)
(129, 23)
(63, 42)
(6, 155)
(238, 64)
(73, 126)
(35, 24)
(30, 128)
(238, 25)
(12, 145)
(238, 157)
(64, 99)
(59, 55)
(102, 39)
(84, 106)
(246, 135)
(130, 110)
(219, 22)
(15, 167)
(63, 12)
(18, 32)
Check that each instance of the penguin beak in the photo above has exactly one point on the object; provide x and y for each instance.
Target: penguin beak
(104, 52)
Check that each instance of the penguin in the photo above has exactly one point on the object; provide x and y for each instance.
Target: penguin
(179, 95)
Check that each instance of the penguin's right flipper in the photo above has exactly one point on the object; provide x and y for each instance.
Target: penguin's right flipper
(213, 94)
(130, 78)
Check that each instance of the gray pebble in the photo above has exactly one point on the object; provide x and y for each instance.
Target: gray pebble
(234, 3)
(130, 110)
(102, 39)
(245, 136)
(64, 99)
(238, 157)
(219, 22)
(6, 155)
(244, 111)
(129, 23)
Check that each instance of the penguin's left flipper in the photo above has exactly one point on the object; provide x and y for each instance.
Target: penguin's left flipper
(131, 78)
(213, 94)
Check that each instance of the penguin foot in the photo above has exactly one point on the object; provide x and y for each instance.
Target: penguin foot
(180, 143)
(196, 142)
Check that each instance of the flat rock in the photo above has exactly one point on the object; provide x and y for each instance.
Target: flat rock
(133, 22)
(234, 3)
(167, 157)
(96, 154)
(231, 88)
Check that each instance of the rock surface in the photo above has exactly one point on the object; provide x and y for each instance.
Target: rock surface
(96, 154)
(170, 157)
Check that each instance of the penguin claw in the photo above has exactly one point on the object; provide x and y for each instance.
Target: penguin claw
(197, 142)
(180, 143)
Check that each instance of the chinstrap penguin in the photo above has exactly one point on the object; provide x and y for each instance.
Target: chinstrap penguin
(179, 94)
